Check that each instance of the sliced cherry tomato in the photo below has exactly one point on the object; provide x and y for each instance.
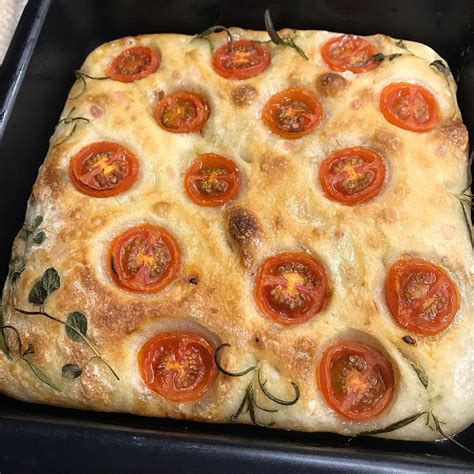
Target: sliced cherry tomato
(144, 259)
(356, 380)
(409, 106)
(182, 112)
(212, 180)
(421, 296)
(178, 366)
(290, 288)
(103, 169)
(241, 59)
(134, 63)
(352, 175)
(349, 53)
(292, 113)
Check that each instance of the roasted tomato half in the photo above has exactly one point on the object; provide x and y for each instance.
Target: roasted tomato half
(290, 288)
(292, 113)
(212, 180)
(134, 63)
(349, 53)
(352, 175)
(421, 296)
(240, 59)
(409, 106)
(103, 169)
(144, 259)
(178, 366)
(356, 380)
(182, 112)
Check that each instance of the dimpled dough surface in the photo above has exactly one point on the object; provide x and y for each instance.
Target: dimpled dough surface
(416, 215)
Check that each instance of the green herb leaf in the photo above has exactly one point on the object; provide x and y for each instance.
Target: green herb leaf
(76, 323)
(39, 238)
(395, 426)
(38, 221)
(16, 267)
(51, 281)
(71, 371)
(38, 294)
(401, 44)
(441, 67)
(24, 233)
(421, 375)
(42, 376)
(29, 350)
(277, 39)
(3, 338)
(378, 57)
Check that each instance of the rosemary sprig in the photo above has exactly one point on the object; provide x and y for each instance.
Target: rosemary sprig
(76, 324)
(442, 69)
(278, 40)
(421, 375)
(465, 200)
(68, 120)
(249, 402)
(213, 29)
(22, 354)
(82, 77)
(432, 421)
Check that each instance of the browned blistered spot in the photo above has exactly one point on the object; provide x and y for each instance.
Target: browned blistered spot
(161, 208)
(273, 164)
(366, 95)
(99, 100)
(279, 222)
(330, 84)
(246, 231)
(387, 141)
(455, 132)
(244, 95)
(386, 216)
(338, 234)
(92, 386)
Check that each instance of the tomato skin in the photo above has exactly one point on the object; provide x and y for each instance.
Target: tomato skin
(371, 169)
(257, 55)
(410, 285)
(167, 369)
(146, 59)
(229, 180)
(284, 105)
(357, 389)
(132, 248)
(78, 174)
(348, 46)
(194, 104)
(302, 283)
(411, 99)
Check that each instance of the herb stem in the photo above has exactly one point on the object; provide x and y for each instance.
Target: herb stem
(85, 339)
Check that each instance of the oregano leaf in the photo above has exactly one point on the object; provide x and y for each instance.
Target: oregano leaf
(71, 371)
(37, 222)
(38, 294)
(76, 323)
(441, 67)
(24, 233)
(16, 267)
(42, 376)
(51, 281)
(38, 239)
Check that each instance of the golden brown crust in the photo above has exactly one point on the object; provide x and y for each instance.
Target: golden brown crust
(280, 207)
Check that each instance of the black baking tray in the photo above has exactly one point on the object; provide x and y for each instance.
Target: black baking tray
(53, 38)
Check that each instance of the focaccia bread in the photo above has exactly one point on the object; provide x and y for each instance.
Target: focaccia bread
(297, 202)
